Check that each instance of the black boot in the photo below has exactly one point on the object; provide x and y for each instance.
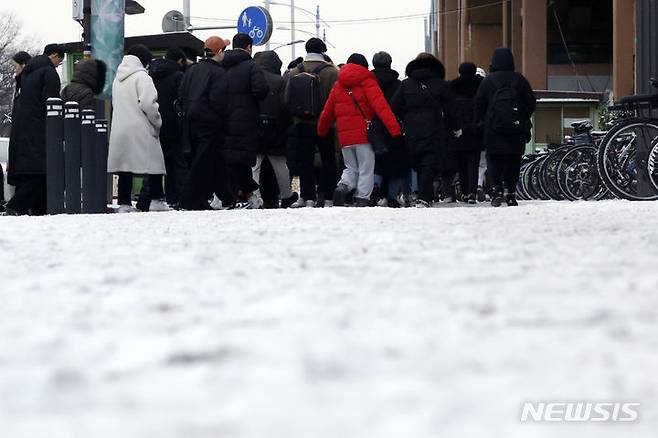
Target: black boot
(497, 197)
(286, 203)
(510, 199)
(340, 194)
(361, 202)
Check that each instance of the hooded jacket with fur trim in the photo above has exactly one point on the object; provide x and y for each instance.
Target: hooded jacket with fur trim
(350, 123)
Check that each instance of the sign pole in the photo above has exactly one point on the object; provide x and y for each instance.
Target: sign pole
(292, 28)
(267, 6)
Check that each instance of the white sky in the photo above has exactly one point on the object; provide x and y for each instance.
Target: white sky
(50, 21)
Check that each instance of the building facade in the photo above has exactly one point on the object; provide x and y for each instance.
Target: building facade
(566, 48)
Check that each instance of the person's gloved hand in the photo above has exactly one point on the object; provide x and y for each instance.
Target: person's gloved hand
(457, 133)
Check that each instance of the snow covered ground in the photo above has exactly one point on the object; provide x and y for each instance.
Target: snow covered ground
(327, 323)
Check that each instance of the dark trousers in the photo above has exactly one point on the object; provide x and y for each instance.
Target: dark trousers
(468, 163)
(504, 170)
(302, 143)
(177, 169)
(154, 190)
(242, 180)
(30, 195)
(208, 172)
(2, 185)
(426, 175)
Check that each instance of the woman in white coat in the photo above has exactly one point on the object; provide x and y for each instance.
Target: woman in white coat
(134, 138)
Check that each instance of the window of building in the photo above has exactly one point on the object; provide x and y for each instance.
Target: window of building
(587, 28)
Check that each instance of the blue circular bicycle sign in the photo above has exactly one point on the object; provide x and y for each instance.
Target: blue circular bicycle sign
(256, 22)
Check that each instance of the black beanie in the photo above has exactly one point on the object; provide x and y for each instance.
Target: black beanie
(359, 59)
(315, 45)
(468, 69)
(382, 60)
(142, 52)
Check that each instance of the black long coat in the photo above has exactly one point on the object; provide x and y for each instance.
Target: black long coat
(246, 87)
(274, 118)
(39, 82)
(394, 163)
(464, 89)
(88, 80)
(167, 77)
(502, 72)
(424, 104)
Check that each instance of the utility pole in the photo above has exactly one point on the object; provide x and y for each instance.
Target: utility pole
(292, 28)
(86, 29)
(317, 21)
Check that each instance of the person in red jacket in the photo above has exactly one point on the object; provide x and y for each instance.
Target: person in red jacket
(354, 101)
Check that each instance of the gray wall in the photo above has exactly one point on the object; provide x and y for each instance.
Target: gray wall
(647, 45)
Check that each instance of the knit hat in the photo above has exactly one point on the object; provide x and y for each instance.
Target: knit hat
(382, 60)
(215, 44)
(142, 52)
(315, 45)
(359, 59)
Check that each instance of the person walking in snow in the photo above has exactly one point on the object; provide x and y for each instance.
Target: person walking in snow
(503, 105)
(425, 105)
(87, 82)
(246, 88)
(391, 167)
(353, 103)
(303, 140)
(273, 128)
(134, 139)
(27, 166)
(468, 146)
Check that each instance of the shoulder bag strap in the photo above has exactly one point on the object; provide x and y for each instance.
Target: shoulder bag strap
(358, 106)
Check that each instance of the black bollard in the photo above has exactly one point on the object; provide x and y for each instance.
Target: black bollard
(72, 156)
(89, 192)
(55, 156)
(101, 166)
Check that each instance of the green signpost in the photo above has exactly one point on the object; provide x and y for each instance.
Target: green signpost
(107, 36)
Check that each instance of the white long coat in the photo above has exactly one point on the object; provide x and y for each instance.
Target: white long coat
(136, 122)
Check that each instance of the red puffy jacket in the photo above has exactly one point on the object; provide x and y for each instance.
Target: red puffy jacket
(350, 124)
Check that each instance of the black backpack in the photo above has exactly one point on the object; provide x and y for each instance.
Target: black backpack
(505, 110)
(304, 93)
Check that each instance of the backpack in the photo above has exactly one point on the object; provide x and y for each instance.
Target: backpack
(504, 113)
(304, 93)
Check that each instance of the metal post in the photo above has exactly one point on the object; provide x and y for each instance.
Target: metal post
(267, 6)
(55, 156)
(101, 165)
(317, 21)
(187, 13)
(89, 195)
(292, 28)
(72, 157)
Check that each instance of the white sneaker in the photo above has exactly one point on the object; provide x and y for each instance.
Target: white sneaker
(158, 205)
(255, 203)
(298, 203)
(216, 203)
(126, 209)
(328, 204)
(310, 203)
(422, 204)
(382, 202)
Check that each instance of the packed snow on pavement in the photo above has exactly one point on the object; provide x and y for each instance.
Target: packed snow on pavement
(326, 323)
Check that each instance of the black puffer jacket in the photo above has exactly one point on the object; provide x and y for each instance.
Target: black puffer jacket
(39, 82)
(274, 119)
(503, 74)
(464, 89)
(246, 88)
(204, 95)
(425, 105)
(88, 81)
(394, 163)
(167, 77)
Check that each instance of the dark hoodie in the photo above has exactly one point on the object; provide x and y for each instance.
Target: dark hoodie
(88, 81)
(388, 81)
(167, 76)
(503, 75)
(246, 88)
(274, 120)
(425, 105)
(39, 82)
(464, 88)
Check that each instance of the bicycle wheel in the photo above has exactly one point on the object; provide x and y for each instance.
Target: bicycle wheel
(623, 159)
(548, 173)
(653, 164)
(535, 180)
(578, 176)
(520, 189)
